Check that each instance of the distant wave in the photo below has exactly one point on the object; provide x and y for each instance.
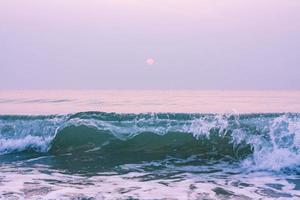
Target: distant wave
(257, 141)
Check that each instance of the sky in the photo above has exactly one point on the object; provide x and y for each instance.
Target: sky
(150, 44)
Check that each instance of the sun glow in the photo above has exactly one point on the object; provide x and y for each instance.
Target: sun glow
(150, 61)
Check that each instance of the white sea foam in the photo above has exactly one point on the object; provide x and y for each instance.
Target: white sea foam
(276, 149)
(29, 183)
(37, 143)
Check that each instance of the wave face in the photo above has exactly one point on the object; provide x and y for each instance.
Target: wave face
(255, 141)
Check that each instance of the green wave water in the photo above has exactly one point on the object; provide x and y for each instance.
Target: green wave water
(125, 138)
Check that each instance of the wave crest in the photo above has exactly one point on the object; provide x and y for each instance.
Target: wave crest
(259, 141)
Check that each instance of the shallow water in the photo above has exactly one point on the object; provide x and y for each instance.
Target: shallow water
(192, 145)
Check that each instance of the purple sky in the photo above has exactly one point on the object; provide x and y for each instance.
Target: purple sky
(105, 44)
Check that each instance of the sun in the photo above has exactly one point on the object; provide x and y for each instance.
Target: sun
(150, 61)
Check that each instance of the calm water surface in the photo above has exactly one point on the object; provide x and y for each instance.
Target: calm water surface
(64, 102)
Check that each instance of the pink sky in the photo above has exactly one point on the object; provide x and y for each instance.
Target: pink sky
(197, 44)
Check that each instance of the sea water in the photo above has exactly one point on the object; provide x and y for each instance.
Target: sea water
(149, 145)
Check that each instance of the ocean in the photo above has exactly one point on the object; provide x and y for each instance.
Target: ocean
(152, 145)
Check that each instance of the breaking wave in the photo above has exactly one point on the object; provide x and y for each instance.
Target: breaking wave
(256, 141)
